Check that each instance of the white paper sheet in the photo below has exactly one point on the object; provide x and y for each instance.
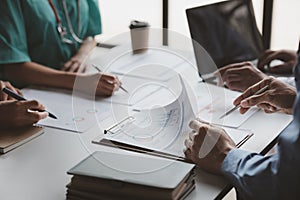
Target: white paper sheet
(158, 128)
(162, 129)
(73, 113)
(214, 102)
(149, 65)
(141, 90)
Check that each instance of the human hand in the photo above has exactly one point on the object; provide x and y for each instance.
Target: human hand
(17, 114)
(3, 95)
(75, 64)
(239, 76)
(100, 84)
(278, 97)
(288, 57)
(207, 146)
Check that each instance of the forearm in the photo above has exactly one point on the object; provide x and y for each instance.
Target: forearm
(35, 74)
(88, 44)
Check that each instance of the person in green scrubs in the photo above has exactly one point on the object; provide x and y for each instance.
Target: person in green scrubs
(16, 112)
(45, 42)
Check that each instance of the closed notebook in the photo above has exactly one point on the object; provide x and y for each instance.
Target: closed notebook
(12, 138)
(130, 175)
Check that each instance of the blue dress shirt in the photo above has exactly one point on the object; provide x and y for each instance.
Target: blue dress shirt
(269, 177)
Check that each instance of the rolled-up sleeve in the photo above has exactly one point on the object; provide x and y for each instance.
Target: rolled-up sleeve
(94, 22)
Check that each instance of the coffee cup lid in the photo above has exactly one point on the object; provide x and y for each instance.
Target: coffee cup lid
(138, 24)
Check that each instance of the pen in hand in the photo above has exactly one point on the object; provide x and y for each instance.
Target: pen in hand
(20, 98)
(239, 105)
(99, 70)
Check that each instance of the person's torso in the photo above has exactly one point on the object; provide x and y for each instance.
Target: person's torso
(45, 45)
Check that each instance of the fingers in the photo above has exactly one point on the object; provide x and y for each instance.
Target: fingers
(9, 86)
(188, 144)
(289, 57)
(33, 105)
(239, 76)
(3, 95)
(74, 66)
(67, 66)
(108, 84)
(221, 73)
(265, 59)
(282, 69)
(195, 125)
(199, 130)
(249, 99)
(252, 90)
(254, 100)
(231, 73)
(235, 65)
(110, 78)
(196, 137)
(267, 108)
(35, 116)
(243, 110)
(82, 68)
(21, 113)
(34, 113)
(188, 153)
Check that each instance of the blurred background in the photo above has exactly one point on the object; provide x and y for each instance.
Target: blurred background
(117, 14)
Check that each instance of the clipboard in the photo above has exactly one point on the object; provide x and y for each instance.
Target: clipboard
(160, 131)
(160, 153)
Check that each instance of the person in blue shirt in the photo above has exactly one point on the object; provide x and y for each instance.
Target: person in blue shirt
(47, 42)
(15, 113)
(255, 176)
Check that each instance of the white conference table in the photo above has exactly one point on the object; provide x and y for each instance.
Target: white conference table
(37, 169)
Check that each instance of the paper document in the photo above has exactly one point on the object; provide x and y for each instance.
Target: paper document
(158, 128)
(137, 87)
(214, 101)
(143, 92)
(73, 113)
(153, 64)
(161, 129)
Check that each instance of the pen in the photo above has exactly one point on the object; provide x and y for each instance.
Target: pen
(239, 105)
(99, 70)
(20, 98)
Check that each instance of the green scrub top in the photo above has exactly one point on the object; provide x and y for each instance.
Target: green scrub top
(28, 30)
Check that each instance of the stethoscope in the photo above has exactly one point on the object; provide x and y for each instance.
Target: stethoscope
(62, 29)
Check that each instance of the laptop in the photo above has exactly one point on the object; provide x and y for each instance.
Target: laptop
(227, 31)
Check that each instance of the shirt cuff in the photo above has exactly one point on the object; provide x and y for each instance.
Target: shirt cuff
(232, 160)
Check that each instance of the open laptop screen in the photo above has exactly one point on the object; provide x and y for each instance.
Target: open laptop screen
(227, 31)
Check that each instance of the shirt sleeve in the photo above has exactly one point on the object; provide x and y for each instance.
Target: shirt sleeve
(267, 177)
(13, 42)
(94, 24)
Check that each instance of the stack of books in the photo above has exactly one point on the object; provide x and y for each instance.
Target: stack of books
(105, 175)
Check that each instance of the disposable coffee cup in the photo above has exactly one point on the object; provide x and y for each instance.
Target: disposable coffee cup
(139, 32)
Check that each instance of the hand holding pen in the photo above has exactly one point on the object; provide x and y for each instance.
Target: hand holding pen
(119, 85)
(237, 106)
(270, 94)
(20, 98)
